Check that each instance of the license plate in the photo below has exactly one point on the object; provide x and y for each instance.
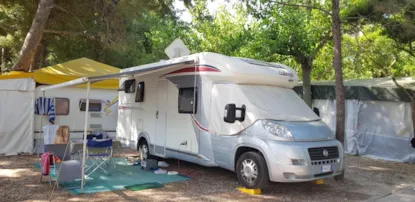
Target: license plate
(326, 168)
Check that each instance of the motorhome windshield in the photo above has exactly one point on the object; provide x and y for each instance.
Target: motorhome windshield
(278, 103)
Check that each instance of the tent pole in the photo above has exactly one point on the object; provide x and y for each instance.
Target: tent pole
(85, 134)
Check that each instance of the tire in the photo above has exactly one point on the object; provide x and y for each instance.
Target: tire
(143, 149)
(253, 162)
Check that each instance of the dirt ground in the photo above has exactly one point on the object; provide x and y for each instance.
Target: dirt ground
(366, 179)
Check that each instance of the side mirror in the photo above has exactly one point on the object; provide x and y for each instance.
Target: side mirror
(230, 113)
(317, 111)
(129, 86)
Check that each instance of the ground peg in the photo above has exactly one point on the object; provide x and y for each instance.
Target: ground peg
(249, 191)
(319, 181)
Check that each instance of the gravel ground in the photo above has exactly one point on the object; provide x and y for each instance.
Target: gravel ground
(365, 179)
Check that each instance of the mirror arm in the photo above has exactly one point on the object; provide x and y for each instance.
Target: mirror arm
(243, 111)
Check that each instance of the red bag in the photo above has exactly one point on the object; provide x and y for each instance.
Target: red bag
(45, 161)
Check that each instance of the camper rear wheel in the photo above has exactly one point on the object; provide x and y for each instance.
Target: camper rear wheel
(252, 170)
(143, 149)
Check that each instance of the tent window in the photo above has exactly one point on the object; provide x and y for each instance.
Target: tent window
(95, 105)
(61, 106)
(139, 96)
(128, 86)
(187, 101)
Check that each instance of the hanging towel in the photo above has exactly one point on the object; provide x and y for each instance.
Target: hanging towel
(46, 106)
(49, 134)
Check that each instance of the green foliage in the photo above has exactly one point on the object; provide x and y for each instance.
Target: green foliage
(396, 16)
(282, 33)
(120, 33)
(133, 32)
(225, 34)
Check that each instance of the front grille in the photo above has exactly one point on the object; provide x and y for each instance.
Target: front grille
(324, 162)
(316, 154)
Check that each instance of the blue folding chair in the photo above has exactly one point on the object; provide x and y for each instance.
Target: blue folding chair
(99, 152)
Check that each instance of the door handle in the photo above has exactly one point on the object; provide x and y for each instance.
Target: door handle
(157, 114)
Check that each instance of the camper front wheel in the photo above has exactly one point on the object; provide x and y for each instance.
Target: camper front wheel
(252, 170)
(143, 149)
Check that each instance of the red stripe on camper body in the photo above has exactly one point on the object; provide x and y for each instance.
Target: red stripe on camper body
(195, 69)
(198, 124)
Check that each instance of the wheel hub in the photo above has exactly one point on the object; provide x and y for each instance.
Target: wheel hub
(249, 170)
(144, 151)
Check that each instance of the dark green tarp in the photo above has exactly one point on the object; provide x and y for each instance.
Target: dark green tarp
(379, 89)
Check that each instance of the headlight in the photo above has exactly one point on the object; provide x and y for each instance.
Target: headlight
(276, 129)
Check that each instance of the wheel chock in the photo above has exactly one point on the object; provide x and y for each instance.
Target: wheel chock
(249, 191)
(319, 181)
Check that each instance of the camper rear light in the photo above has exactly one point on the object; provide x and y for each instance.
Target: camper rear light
(276, 129)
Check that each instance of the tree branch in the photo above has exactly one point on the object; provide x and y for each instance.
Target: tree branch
(324, 39)
(305, 6)
(408, 51)
(66, 11)
(412, 98)
(60, 32)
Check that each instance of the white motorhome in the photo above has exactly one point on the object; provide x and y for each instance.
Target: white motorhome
(21, 127)
(236, 113)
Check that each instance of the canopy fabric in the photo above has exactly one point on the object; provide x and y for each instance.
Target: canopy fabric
(74, 69)
(16, 75)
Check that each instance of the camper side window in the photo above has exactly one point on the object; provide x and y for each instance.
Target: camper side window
(94, 105)
(61, 106)
(187, 100)
(139, 96)
(128, 86)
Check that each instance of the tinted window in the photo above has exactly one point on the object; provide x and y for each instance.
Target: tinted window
(187, 101)
(61, 106)
(94, 105)
(128, 86)
(139, 96)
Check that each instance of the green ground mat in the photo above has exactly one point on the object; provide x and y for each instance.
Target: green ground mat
(138, 187)
(119, 177)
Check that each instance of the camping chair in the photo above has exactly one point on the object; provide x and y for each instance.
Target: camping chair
(99, 152)
(57, 147)
(102, 134)
(52, 151)
(56, 140)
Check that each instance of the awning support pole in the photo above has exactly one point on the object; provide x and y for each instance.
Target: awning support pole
(85, 134)
(40, 129)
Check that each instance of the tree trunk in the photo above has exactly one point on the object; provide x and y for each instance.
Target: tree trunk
(3, 61)
(337, 63)
(39, 57)
(413, 114)
(35, 61)
(306, 72)
(34, 36)
(43, 54)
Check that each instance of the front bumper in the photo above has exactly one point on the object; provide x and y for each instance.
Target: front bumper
(281, 168)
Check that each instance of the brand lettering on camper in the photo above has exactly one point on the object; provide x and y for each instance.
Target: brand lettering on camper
(283, 73)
